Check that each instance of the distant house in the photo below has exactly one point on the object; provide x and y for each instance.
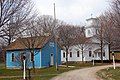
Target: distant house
(44, 53)
(116, 50)
(92, 50)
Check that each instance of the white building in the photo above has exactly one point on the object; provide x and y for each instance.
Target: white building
(93, 49)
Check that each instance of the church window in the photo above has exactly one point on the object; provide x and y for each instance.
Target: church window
(88, 31)
(70, 54)
(90, 53)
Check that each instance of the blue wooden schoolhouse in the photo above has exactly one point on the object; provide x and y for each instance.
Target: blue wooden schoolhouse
(46, 52)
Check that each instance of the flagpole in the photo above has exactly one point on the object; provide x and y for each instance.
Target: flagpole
(55, 39)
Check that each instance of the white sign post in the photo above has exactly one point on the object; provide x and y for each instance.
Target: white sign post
(113, 60)
(24, 67)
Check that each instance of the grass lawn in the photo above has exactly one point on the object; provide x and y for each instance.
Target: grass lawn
(41, 74)
(109, 74)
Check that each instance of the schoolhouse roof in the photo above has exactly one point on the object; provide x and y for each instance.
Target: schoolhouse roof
(29, 43)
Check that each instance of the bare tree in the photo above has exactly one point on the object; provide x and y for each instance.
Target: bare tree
(11, 18)
(67, 36)
(115, 10)
(82, 42)
(100, 37)
(108, 30)
(48, 24)
(31, 38)
(115, 14)
(104, 33)
(109, 23)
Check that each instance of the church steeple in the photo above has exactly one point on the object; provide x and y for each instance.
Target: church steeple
(91, 27)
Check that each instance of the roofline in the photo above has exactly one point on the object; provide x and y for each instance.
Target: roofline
(49, 37)
(91, 18)
(21, 49)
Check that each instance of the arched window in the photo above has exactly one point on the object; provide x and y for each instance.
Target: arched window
(63, 54)
(90, 53)
(104, 54)
(70, 54)
(78, 54)
(31, 56)
(13, 57)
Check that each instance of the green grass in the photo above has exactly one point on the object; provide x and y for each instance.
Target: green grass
(2, 65)
(43, 73)
(109, 74)
(83, 65)
(40, 74)
(10, 78)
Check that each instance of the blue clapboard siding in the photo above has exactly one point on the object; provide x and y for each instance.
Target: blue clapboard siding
(46, 51)
(41, 58)
(9, 62)
(37, 59)
(17, 63)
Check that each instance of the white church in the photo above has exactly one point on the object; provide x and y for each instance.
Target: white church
(92, 50)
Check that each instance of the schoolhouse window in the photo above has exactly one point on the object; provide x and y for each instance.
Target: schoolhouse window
(90, 53)
(31, 56)
(70, 54)
(78, 55)
(63, 54)
(13, 57)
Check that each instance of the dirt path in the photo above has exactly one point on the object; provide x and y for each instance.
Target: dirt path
(82, 74)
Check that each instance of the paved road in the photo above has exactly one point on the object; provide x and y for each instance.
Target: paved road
(82, 74)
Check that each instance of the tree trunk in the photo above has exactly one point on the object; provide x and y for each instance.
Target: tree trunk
(101, 51)
(56, 56)
(109, 45)
(101, 43)
(29, 74)
(82, 55)
(33, 62)
(67, 57)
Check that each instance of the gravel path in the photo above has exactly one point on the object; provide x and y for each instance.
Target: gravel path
(82, 74)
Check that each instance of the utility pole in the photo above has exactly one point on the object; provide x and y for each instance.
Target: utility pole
(54, 14)
(55, 39)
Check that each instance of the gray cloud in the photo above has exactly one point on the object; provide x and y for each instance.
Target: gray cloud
(72, 11)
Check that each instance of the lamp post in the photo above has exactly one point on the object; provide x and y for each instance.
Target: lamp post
(24, 67)
(113, 60)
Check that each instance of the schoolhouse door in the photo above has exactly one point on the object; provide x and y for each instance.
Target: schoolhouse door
(51, 59)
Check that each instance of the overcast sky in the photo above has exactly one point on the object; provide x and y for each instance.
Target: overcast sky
(72, 11)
